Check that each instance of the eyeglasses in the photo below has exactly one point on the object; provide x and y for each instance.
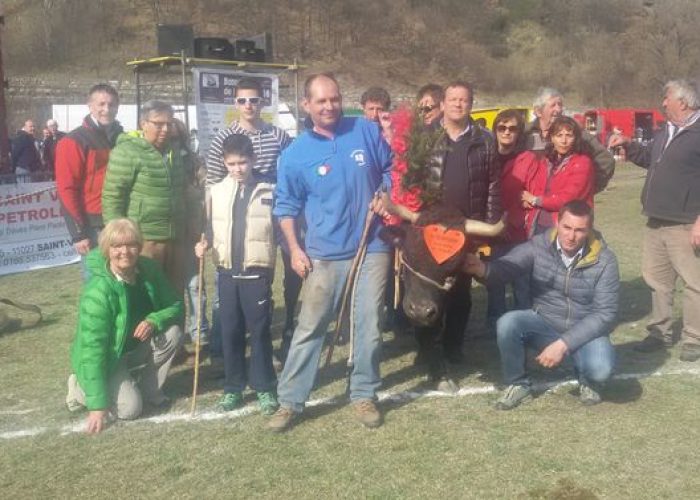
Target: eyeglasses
(427, 109)
(509, 128)
(131, 245)
(242, 101)
(159, 125)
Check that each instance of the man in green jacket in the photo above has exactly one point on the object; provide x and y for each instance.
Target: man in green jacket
(145, 181)
(128, 322)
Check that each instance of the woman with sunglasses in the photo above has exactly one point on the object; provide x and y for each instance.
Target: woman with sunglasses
(517, 168)
(429, 98)
(565, 173)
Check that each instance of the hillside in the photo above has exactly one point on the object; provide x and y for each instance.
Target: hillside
(599, 52)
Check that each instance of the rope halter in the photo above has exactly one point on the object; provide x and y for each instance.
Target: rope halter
(445, 287)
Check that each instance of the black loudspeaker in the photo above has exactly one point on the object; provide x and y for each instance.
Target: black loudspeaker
(214, 48)
(263, 41)
(243, 45)
(246, 51)
(173, 38)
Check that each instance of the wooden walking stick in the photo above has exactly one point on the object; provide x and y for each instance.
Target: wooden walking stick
(200, 281)
(397, 279)
(349, 283)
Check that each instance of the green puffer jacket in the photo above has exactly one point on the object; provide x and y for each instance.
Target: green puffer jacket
(103, 318)
(146, 186)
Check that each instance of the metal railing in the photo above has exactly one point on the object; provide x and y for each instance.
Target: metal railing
(40, 176)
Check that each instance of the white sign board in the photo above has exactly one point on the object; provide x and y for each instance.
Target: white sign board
(214, 97)
(33, 233)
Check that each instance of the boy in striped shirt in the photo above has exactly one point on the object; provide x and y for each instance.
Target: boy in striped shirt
(268, 140)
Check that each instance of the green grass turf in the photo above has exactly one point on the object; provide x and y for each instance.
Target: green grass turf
(640, 443)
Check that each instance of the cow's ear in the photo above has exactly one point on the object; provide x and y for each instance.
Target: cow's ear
(393, 235)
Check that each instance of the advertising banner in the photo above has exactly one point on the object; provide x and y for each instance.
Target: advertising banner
(33, 233)
(214, 99)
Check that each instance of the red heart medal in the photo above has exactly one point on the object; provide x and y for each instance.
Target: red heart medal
(443, 243)
(323, 170)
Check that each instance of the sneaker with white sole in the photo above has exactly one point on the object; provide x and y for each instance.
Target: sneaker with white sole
(513, 396)
(588, 395)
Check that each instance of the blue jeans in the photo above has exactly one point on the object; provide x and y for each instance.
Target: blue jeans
(321, 295)
(191, 292)
(594, 362)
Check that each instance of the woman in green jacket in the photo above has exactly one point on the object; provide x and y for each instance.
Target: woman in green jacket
(128, 322)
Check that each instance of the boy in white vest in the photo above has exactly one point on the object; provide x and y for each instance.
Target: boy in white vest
(241, 236)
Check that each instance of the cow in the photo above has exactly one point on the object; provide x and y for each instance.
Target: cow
(433, 245)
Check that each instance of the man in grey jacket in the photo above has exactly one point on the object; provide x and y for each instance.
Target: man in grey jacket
(574, 282)
(671, 201)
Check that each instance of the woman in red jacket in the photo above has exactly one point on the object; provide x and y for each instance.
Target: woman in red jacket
(565, 173)
(517, 169)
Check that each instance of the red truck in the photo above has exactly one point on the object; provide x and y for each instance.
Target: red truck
(639, 124)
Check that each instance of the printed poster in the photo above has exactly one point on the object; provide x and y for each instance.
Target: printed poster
(33, 233)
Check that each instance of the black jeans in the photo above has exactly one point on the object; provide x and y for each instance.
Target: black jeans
(246, 305)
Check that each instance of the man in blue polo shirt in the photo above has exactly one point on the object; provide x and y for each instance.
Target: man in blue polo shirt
(331, 173)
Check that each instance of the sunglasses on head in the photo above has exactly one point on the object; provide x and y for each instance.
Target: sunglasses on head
(245, 100)
(509, 128)
(427, 109)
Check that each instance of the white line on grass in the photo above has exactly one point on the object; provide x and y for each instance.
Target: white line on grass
(397, 397)
(17, 412)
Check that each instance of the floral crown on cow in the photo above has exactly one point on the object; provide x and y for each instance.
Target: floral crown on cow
(416, 173)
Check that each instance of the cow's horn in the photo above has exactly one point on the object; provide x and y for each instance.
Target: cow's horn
(398, 209)
(405, 213)
(479, 228)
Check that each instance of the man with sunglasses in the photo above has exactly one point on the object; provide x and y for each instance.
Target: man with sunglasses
(268, 140)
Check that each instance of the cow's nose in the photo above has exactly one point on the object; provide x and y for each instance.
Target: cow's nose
(429, 312)
(423, 311)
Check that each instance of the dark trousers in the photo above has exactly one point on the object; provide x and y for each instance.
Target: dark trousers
(246, 304)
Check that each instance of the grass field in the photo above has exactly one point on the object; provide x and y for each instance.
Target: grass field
(640, 443)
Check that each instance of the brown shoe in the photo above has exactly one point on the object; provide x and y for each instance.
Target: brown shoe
(282, 420)
(367, 414)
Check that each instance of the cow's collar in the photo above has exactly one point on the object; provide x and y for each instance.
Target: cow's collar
(445, 287)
